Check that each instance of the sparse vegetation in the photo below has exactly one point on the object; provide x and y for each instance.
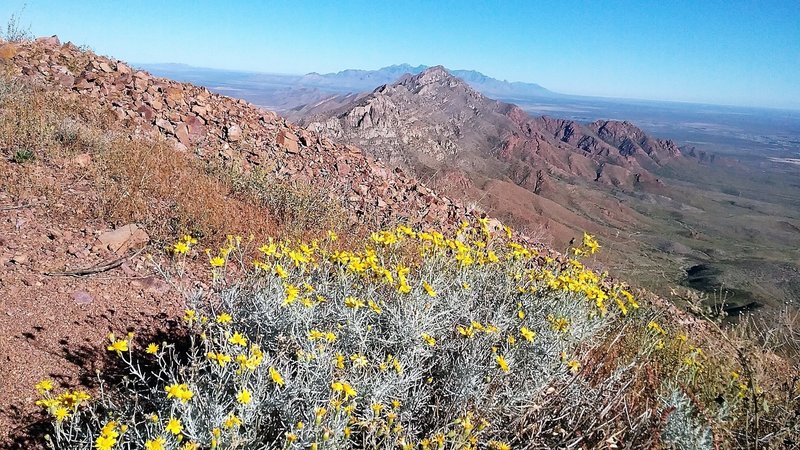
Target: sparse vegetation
(303, 206)
(22, 156)
(15, 31)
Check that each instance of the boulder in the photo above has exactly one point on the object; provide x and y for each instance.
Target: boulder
(288, 141)
(182, 133)
(165, 125)
(197, 131)
(51, 41)
(147, 112)
(233, 132)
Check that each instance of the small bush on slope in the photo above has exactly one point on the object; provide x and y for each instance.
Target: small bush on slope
(472, 342)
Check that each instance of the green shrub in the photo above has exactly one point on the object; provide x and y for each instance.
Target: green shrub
(22, 156)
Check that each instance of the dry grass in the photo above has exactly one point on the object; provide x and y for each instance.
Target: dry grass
(148, 182)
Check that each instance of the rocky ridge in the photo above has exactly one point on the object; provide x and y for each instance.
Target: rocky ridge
(210, 125)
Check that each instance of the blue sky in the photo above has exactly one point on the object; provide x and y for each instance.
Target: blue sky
(725, 52)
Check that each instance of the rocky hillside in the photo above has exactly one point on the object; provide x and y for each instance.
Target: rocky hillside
(197, 121)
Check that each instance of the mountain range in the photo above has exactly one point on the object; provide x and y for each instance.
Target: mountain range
(365, 80)
(284, 92)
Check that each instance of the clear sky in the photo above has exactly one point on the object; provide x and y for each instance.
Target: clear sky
(724, 52)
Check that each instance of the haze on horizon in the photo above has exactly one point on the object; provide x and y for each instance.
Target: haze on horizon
(732, 53)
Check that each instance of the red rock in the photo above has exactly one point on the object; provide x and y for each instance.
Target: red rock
(199, 110)
(147, 112)
(288, 141)
(197, 131)
(83, 84)
(123, 68)
(82, 297)
(165, 125)
(140, 84)
(182, 133)
(65, 79)
(174, 94)
(123, 238)
(83, 160)
(105, 67)
(343, 169)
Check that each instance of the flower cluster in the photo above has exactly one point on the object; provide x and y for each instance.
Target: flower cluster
(418, 340)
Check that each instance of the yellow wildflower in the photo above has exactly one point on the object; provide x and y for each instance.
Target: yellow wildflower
(280, 271)
(467, 332)
(497, 445)
(315, 335)
(339, 361)
(60, 413)
(428, 339)
(276, 376)
(216, 261)
(374, 306)
(359, 360)
(174, 426)
(560, 324)
(574, 366)
(429, 289)
(44, 386)
(118, 345)
(238, 339)
(527, 333)
(590, 243)
(180, 391)
(180, 248)
(224, 318)
(152, 348)
(292, 292)
(244, 397)
(654, 326)
(155, 444)
(502, 363)
(189, 315)
(232, 421)
(353, 303)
